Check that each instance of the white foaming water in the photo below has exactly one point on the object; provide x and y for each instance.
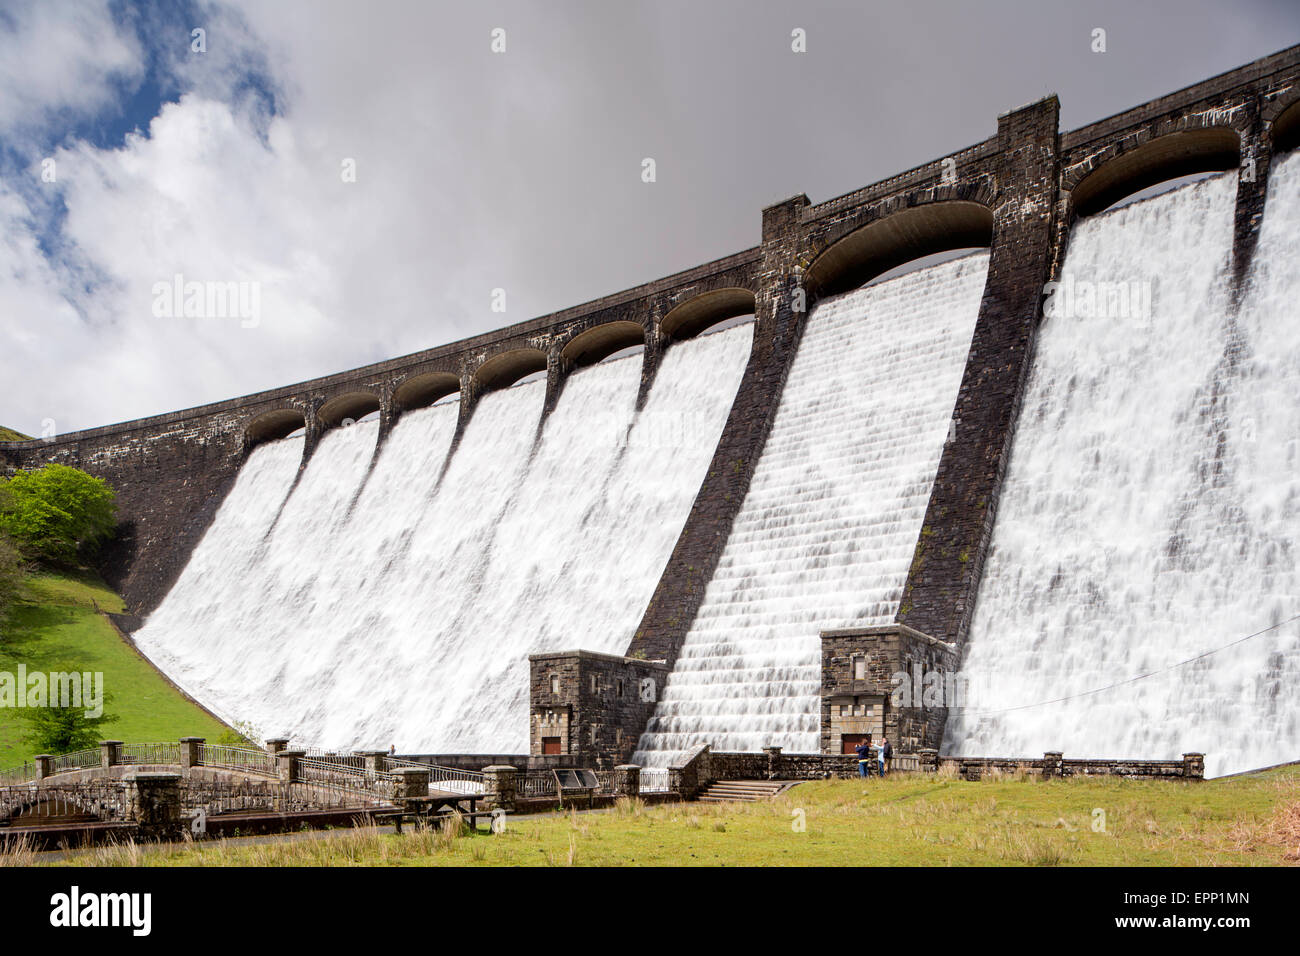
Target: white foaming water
(827, 530)
(1150, 508)
(409, 620)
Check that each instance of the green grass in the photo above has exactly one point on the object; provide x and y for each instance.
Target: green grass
(8, 434)
(1240, 821)
(57, 628)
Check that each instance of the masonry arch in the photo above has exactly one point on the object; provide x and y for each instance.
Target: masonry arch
(1286, 129)
(706, 310)
(601, 341)
(911, 233)
(506, 368)
(353, 405)
(1171, 156)
(273, 425)
(420, 391)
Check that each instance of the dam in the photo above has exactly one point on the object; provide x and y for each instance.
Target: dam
(723, 508)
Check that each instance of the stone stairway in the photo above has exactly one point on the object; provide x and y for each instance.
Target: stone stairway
(723, 791)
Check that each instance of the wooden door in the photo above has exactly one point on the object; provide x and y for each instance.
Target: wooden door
(551, 745)
(849, 742)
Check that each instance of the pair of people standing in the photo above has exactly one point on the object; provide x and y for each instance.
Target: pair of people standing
(881, 757)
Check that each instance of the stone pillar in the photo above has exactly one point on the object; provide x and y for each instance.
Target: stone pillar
(499, 786)
(1252, 190)
(651, 359)
(374, 759)
(627, 780)
(157, 804)
(411, 782)
(773, 762)
(470, 392)
(110, 753)
(1194, 766)
(948, 560)
(192, 752)
(927, 760)
(42, 762)
(277, 744)
(557, 373)
(680, 590)
(287, 762)
(1052, 764)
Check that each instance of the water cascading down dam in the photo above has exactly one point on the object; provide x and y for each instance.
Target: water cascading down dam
(826, 533)
(1152, 508)
(311, 615)
(1064, 468)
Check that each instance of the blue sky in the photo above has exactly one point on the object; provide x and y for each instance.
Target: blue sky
(475, 170)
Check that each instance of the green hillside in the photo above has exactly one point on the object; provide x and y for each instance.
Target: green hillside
(59, 627)
(8, 434)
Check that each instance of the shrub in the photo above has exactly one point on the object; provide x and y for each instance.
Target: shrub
(55, 512)
(61, 730)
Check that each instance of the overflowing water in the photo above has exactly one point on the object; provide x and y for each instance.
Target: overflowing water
(398, 604)
(1151, 509)
(829, 525)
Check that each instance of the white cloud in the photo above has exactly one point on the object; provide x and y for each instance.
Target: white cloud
(61, 57)
(475, 170)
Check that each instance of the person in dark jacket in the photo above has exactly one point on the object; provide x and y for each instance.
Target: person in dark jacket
(863, 750)
(884, 752)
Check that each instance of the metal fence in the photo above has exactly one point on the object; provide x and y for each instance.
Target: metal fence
(323, 773)
(17, 775)
(238, 758)
(77, 760)
(158, 754)
(536, 783)
(354, 761)
(654, 779)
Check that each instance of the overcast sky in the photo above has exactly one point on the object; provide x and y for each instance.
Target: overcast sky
(474, 170)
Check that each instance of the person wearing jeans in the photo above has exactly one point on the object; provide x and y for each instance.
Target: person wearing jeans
(863, 750)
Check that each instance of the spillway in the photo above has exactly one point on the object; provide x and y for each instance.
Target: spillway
(828, 527)
(1149, 515)
(394, 599)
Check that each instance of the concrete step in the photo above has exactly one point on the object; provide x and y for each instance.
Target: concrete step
(747, 791)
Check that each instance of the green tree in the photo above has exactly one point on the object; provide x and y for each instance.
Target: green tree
(56, 512)
(61, 730)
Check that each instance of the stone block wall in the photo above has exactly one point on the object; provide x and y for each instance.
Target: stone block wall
(603, 700)
(913, 710)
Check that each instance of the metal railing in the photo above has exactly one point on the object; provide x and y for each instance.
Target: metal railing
(238, 758)
(536, 783)
(442, 778)
(355, 761)
(323, 773)
(77, 760)
(16, 775)
(159, 754)
(654, 780)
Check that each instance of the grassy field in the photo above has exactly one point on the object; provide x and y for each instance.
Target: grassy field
(58, 628)
(8, 434)
(1240, 821)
